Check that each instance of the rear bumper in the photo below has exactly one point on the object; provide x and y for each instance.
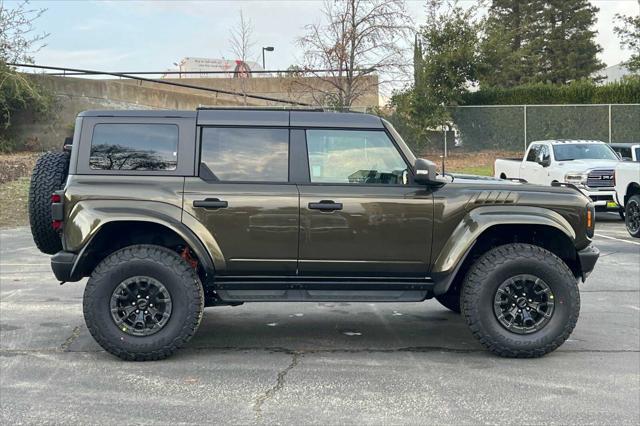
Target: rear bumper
(62, 265)
(588, 257)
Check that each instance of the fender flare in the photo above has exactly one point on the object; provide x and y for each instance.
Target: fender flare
(477, 222)
(88, 218)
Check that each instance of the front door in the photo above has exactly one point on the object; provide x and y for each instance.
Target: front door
(359, 216)
(244, 198)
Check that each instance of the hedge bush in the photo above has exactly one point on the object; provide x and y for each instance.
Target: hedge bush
(626, 91)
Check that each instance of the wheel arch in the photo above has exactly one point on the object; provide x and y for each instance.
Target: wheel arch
(632, 189)
(94, 230)
(487, 227)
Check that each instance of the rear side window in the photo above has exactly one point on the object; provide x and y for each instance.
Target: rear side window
(245, 155)
(121, 146)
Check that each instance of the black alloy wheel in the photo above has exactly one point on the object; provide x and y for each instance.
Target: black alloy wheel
(140, 306)
(632, 216)
(523, 304)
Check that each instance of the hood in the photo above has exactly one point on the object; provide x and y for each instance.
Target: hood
(584, 165)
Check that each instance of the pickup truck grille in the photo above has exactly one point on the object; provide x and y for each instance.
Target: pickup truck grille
(601, 179)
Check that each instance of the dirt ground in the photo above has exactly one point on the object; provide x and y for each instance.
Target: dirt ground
(14, 166)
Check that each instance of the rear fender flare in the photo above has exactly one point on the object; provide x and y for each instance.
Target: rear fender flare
(87, 218)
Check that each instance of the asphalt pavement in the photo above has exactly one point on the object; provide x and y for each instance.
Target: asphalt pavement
(318, 363)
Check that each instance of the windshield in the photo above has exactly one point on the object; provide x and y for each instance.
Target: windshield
(638, 153)
(583, 151)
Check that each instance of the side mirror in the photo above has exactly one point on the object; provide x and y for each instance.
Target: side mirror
(546, 162)
(425, 173)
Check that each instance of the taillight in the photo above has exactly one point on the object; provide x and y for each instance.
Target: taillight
(57, 211)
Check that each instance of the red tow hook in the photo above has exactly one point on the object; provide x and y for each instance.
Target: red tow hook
(186, 255)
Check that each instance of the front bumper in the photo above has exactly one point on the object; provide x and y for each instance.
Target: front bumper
(588, 257)
(601, 199)
(62, 265)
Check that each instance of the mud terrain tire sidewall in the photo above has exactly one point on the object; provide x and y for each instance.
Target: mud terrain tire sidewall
(506, 261)
(156, 262)
(49, 175)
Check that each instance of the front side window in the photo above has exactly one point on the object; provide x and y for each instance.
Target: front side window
(545, 154)
(353, 156)
(245, 155)
(140, 147)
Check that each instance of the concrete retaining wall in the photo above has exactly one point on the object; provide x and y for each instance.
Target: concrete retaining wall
(74, 95)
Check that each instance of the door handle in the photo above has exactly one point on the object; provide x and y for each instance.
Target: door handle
(327, 205)
(211, 203)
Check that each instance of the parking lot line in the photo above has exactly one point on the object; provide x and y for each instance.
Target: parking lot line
(617, 239)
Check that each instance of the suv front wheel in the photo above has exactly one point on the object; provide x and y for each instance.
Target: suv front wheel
(520, 301)
(143, 302)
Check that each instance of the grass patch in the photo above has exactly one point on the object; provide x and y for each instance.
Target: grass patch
(475, 170)
(16, 195)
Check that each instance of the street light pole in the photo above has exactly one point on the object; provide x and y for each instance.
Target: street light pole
(268, 49)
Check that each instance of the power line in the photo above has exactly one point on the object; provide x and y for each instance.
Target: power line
(152, 80)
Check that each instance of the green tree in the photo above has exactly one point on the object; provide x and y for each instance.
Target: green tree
(18, 42)
(628, 31)
(445, 64)
(570, 50)
(539, 41)
(511, 48)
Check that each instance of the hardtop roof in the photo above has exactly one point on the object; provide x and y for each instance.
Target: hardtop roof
(231, 116)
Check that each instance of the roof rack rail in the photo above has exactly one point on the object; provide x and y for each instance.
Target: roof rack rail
(363, 110)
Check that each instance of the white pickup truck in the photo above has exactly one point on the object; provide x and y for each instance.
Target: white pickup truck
(587, 164)
(628, 194)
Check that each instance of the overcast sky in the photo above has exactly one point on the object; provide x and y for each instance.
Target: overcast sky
(151, 35)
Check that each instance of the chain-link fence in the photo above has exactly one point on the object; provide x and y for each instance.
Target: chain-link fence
(477, 135)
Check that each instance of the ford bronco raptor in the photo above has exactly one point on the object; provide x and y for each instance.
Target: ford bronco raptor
(168, 212)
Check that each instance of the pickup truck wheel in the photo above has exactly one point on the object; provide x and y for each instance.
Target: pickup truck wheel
(632, 216)
(450, 300)
(143, 303)
(520, 301)
(49, 175)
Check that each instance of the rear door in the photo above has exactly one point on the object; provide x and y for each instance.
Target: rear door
(359, 214)
(243, 196)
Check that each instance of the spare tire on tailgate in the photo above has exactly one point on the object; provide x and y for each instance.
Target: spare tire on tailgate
(49, 175)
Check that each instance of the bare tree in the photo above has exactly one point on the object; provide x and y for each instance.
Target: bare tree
(18, 38)
(242, 47)
(356, 38)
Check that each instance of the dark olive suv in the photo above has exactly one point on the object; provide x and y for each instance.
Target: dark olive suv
(168, 212)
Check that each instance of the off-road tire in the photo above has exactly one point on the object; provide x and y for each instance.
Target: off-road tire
(49, 175)
(162, 264)
(632, 203)
(496, 266)
(450, 300)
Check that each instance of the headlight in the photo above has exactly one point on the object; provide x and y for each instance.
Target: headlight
(576, 178)
(591, 220)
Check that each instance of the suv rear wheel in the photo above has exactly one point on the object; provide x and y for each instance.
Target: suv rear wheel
(520, 300)
(143, 303)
